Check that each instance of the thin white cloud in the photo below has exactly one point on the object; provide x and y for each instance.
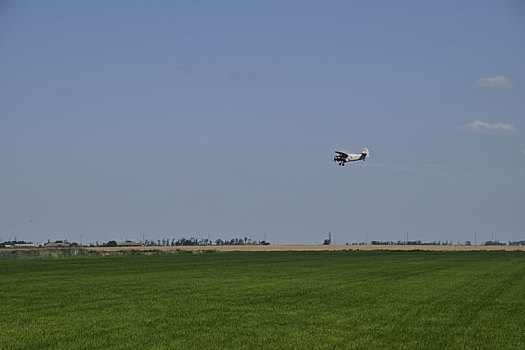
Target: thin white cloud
(480, 127)
(523, 152)
(497, 81)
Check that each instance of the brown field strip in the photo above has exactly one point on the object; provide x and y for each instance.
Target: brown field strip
(280, 248)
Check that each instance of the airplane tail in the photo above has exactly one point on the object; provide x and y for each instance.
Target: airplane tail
(365, 153)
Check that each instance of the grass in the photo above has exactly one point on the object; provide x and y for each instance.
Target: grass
(60, 253)
(273, 300)
(42, 253)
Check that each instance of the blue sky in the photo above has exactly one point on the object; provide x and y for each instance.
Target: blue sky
(197, 118)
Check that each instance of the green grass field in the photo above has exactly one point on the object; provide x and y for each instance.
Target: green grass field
(275, 300)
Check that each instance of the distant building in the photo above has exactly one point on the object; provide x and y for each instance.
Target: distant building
(57, 245)
(25, 245)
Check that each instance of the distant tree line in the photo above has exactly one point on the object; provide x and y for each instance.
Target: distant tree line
(192, 241)
(495, 243)
(418, 242)
(240, 241)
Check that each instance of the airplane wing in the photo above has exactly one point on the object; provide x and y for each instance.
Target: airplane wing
(341, 153)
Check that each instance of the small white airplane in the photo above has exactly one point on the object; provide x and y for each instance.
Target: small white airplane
(343, 157)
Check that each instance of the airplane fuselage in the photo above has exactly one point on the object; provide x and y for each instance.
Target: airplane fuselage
(343, 157)
(354, 157)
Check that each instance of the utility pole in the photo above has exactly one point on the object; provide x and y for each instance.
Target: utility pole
(81, 240)
(475, 238)
(407, 239)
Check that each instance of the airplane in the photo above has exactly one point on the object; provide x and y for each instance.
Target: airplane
(343, 157)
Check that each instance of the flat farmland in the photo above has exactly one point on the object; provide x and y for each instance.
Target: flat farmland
(274, 300)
